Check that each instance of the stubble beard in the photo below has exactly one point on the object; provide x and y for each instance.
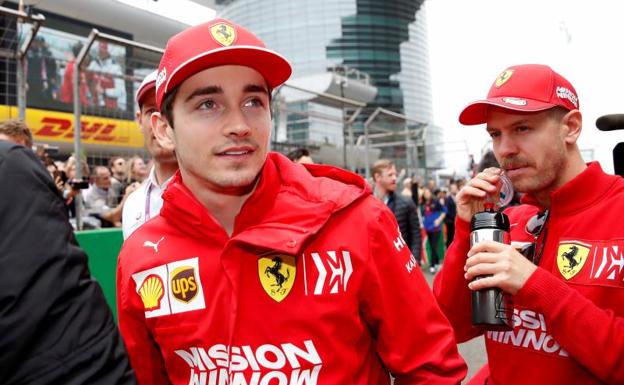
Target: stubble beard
(547, 175)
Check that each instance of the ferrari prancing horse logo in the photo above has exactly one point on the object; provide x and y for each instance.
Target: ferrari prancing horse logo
(277, 274)
(503, 77)
(223, 34)
(571, 257)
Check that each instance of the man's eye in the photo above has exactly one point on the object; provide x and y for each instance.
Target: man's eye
(494, 134)
(254, 102)
(522, 129)
(207, 104)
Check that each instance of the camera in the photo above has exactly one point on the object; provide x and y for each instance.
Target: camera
(79, 184)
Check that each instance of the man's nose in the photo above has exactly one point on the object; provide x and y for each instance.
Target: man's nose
(237, 124)
(506, 146)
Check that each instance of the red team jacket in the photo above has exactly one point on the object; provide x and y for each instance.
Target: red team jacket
(315, 286)
(569, 317)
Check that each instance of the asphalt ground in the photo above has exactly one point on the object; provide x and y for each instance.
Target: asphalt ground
(473, 351)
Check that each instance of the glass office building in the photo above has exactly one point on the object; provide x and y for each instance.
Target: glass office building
(384, 39)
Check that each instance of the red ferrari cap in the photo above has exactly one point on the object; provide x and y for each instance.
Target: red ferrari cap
(147, 84)
(527, 87)
(216, 43)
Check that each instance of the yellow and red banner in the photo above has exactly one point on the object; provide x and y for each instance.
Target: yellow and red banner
(53, 126)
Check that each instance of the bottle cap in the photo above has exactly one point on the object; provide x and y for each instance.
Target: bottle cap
(489, 220)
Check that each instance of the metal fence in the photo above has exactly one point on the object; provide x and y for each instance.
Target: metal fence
(357, 140)
(77, 95)
(17, 33)
(104, 86)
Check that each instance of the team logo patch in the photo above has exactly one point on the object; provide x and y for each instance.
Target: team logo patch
(571, 257)
(183, 284)
(151, 292)
(515, 101)
(223, 34)
(162, 76)
(334, 271)
(277, 275)
(564, 93)
(171, 288)
(503, 77)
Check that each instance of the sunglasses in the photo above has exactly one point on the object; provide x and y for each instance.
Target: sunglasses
(536, 226)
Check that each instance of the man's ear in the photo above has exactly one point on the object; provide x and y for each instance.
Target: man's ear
(162, 131)
(573, 123)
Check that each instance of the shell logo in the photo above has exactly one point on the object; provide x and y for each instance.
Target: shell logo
(151, 292)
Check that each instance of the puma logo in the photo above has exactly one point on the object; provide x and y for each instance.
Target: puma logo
(152, 244)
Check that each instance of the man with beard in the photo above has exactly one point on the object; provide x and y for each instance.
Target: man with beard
(563, 268)
(259, 270)
(404, 210)
(146, 201)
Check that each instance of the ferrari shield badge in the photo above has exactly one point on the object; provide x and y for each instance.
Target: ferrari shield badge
(571, 258)
(277, 275)
(503, 77)
(223, 34)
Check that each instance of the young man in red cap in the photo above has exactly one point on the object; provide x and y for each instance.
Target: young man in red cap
(146, 201)
(568, 292)
(259, 270)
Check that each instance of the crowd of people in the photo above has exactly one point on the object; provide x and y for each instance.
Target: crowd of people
(102, 189)
(425, 212)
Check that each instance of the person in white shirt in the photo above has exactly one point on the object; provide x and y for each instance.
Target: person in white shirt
(146, 202)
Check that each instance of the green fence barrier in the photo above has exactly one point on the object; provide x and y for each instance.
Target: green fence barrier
(102, 248)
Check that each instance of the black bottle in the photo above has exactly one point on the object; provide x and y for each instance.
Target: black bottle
(488, 305)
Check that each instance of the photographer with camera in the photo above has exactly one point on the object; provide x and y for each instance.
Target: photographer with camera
(100, 200)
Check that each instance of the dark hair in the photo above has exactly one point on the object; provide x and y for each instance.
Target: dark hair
(49, 162)
(113, 159)
(415, 187)
(76, 49)
(297, 154)
(166, 107)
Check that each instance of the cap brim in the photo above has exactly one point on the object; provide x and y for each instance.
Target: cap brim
(143, 91)
(272, 66)
(476, 112)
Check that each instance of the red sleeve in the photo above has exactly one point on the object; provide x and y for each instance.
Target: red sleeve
(451, 288)
(144, 355)
(413, 338)
(579, 326)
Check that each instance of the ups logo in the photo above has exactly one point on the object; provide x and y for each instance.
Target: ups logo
(184, 284)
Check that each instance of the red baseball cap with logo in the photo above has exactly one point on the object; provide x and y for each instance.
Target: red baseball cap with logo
(147, 84)
(216, 43)
(527, 87)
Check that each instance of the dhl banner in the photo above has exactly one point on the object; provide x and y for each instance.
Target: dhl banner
(53, 126)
